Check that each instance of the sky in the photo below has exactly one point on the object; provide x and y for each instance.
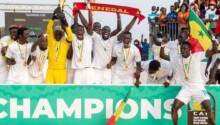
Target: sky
(108, 18)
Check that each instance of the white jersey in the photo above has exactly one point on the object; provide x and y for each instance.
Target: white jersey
(36, 69)
(161, 76)
(174, 48)
(82, 50)
(18, 73)
(3, 65)
(102, 50)
(128, 58)
(156, 52)
(5, 39)
(194, 62)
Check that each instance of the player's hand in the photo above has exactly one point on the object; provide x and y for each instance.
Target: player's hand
(11, 61)
(211, 81)
(138, 14)
(137, 84)
(137, 74)
(109, 66)
(4, 49)
(166, 84)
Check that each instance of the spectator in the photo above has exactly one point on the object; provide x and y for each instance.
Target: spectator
(145, 48)
(151, 17)
(202, 7)
(183, 16)
(177, 6)
(162, 20)
(172, 18)
(137, 44)
(210, 15)
(196, 9)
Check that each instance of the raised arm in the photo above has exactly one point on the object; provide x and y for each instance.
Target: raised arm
(142, 38)
(212, 51)
(128, 27)
(87, 25)
(119, 27)
(154, 39)
(162, 53)
(34, 46)
(66, 27)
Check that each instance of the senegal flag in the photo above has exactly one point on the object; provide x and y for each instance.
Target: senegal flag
(200, 39)
(119, 110)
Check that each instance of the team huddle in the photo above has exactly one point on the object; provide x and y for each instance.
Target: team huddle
(101, 56)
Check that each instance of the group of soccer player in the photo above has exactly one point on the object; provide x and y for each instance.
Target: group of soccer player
(88, 54)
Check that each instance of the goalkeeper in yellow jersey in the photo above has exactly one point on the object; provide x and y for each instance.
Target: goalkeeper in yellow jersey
(58, 46)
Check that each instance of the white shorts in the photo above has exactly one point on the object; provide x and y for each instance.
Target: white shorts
(118, 79)
(70, 76)
(199, 95)
(3, 77)
(84, 76)
(102, 76)
(36, 80)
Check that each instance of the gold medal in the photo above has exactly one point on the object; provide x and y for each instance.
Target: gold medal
(126, 57)
(79, 60)
(186, 69)
(126, 66)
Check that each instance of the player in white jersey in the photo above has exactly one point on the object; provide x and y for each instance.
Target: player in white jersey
(3, 66)
(17, 56)
(124, 57)
(158, 72)
(4, 43)
(39, 56)
(188, 65)
(81, 59)
(103, 45)
(70, 70)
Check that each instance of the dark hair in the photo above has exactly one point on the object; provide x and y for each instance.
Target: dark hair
(172, 6)
(21, 31)
(127, 32)
(184, 5)
(154, 65)
(80, 26)
(186, 43)
(73, 26)
(97, 23)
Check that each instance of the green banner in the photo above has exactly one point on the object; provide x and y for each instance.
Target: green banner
(91, 105)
